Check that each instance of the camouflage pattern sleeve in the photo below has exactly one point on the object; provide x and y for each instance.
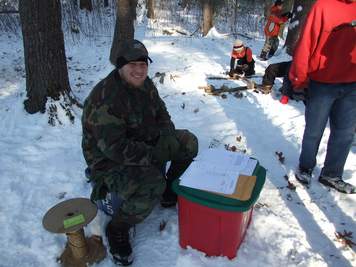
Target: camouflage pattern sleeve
(163, 118)
(110, 133)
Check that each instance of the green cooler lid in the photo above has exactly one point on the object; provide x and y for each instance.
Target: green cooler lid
(221, 202)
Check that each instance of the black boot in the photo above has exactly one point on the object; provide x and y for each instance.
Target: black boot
(119, 242)
(263, 55)
(169, 198)
(271, 53)
(177, 168)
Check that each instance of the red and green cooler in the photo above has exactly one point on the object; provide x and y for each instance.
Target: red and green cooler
(212, 223)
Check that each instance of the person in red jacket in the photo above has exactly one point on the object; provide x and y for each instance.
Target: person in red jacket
(241, 62)
(325, 58)
(273, 25)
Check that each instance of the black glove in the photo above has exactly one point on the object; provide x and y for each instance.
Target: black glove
(166, 148)
(299, 96)
(288, 91)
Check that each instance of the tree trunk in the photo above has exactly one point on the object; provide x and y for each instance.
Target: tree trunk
(86, 4)
(124, 26)
(208, 14)
(150, 4)
(106, 3)
(296, 23)
(45, 59)
(267, 7)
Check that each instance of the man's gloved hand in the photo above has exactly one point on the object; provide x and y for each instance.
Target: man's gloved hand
(166, 148)
(299, 96)
(287, 90)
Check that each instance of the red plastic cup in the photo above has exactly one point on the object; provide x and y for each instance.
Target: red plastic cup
(284, 99)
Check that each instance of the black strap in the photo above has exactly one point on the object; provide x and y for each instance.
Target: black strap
(345, 25)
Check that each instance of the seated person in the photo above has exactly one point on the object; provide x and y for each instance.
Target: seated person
(241, 62)
(128, 137)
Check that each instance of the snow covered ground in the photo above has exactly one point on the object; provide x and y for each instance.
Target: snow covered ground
(42, 165)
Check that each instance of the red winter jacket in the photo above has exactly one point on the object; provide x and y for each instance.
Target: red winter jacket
(274, 22)
(238, 55)
(325, 53)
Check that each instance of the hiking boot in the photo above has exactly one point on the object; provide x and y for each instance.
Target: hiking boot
(263, 56)
(303, 175)
(169, 198)
(337, 183)
(266, 89)
(119, 242)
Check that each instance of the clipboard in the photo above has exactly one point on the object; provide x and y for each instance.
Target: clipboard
(244, 188)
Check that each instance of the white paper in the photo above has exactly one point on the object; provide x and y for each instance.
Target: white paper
(204, 177)
(249, 168)
(216, 170)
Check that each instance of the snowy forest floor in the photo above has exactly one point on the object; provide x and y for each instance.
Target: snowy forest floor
(42, 165)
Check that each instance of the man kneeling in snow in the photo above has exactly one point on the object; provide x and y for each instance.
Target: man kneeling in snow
(128, 137)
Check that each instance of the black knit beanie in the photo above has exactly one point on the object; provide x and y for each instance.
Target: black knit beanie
(121, 61)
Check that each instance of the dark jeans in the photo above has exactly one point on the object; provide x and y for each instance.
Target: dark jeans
(336, 102)
(275, 70)
(271, 45)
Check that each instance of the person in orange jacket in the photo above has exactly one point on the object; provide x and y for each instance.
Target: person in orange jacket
(273, 25)
(241, 62)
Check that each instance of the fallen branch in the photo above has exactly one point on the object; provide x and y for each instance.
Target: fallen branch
(211, 90)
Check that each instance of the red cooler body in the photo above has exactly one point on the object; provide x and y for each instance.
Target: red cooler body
(214, 224)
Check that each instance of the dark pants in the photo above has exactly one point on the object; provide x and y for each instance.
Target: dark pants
(273, 71)
(336, 103)
(270, 46)
(238, 66)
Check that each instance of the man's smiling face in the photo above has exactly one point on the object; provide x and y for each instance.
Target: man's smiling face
(134, 73)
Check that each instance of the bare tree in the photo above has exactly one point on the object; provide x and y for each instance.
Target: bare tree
(150, 4)
(45, 59)
(86, 4)
(124, 26)
(208, 15)
(300, 11)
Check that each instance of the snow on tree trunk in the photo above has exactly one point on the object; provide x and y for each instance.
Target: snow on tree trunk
(124, 26)
(45, 60)
(300, 11)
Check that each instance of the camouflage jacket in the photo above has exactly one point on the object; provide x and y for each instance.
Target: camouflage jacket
(122, 124)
